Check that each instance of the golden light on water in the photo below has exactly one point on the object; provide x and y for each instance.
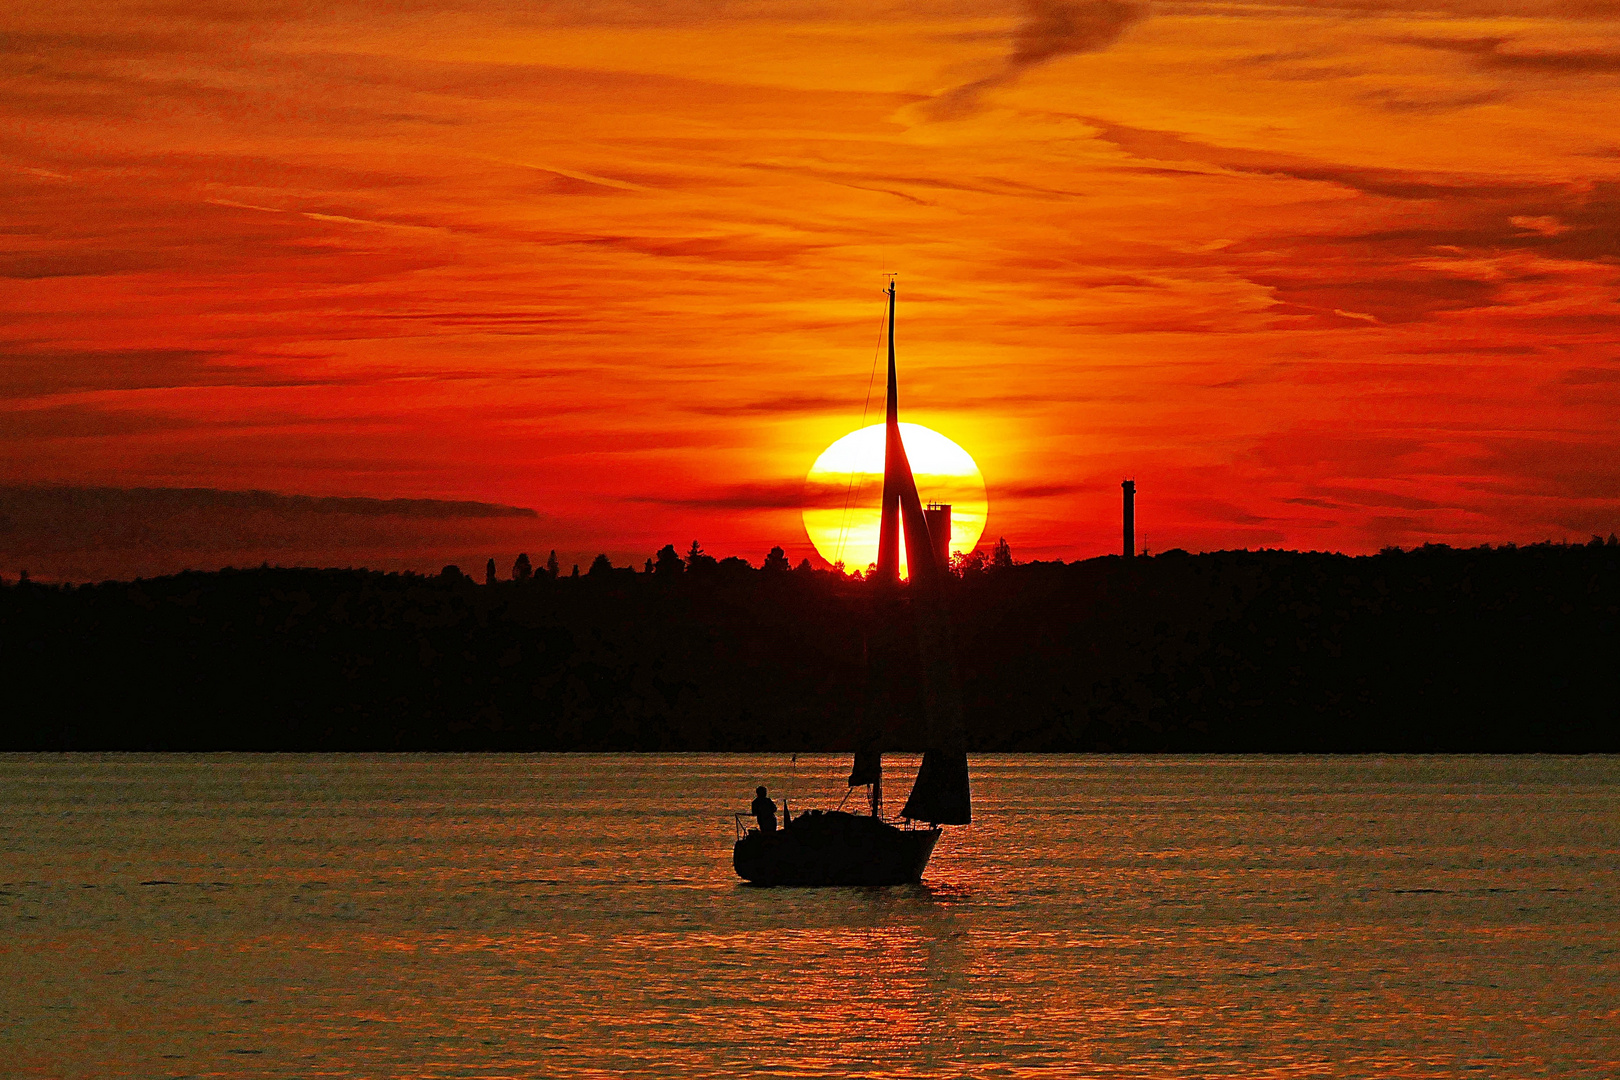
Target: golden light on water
(845, 485)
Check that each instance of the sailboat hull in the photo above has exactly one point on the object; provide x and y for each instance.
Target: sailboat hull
(835, 848)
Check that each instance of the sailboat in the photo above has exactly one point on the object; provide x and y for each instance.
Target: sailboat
(834, 847)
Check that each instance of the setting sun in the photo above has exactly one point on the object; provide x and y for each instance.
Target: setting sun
(844, 488)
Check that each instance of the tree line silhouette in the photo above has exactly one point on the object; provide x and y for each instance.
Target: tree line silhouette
(1429, 649)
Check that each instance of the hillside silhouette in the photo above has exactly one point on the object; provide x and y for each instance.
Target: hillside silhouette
(1432, 649)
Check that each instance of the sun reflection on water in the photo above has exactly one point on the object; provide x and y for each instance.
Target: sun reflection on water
(578, 917)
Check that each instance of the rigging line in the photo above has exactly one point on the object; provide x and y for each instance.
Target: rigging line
(793, 785)
(843, 524)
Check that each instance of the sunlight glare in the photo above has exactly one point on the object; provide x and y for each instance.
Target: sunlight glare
(850, 472)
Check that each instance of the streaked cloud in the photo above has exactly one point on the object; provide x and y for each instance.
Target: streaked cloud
(1501, 53)
(88, 533)
(620, 262)
(1050, 29)
(784, 495)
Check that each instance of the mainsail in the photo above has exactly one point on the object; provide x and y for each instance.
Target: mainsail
(940, 794)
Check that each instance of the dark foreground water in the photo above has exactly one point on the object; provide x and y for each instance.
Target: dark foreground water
(421, 916)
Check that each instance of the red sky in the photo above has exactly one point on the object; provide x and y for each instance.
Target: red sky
(1317, 276)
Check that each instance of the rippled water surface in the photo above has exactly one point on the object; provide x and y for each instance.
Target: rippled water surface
(472, 916)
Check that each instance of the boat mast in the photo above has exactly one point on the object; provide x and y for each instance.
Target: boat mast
(941, 792)
(868, 764)
(902, 509)
(888, 557)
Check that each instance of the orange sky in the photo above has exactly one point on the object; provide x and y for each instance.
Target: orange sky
(1317, 276)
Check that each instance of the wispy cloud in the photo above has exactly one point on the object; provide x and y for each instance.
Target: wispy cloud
(619, 261)
(157, 501)
(777, 495)
(93, 533)
(1050, 29)
(1502, 54)
(782, 405)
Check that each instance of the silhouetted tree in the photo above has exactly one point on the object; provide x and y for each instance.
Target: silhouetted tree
(696, 560)
(489, 572)
(777, 560)
(1429, 649)
(551, 563)
(575, 574)
(968, 564)
(600, 566)
(1001, 558)
(452, 573)
(522, 570)
(669, 562)
(649, 568)
(804, 567)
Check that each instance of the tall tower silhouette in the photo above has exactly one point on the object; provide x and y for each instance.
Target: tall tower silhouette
(938, 517)
(1129, 487)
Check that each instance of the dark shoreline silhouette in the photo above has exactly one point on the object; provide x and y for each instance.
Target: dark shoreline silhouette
(1507, 649)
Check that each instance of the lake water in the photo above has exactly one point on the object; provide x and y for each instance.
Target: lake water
(577, 916)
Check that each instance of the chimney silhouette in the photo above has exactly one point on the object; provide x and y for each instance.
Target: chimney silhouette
(1129, 487)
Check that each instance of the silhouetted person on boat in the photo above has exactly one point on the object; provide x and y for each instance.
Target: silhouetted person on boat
(764, 810)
